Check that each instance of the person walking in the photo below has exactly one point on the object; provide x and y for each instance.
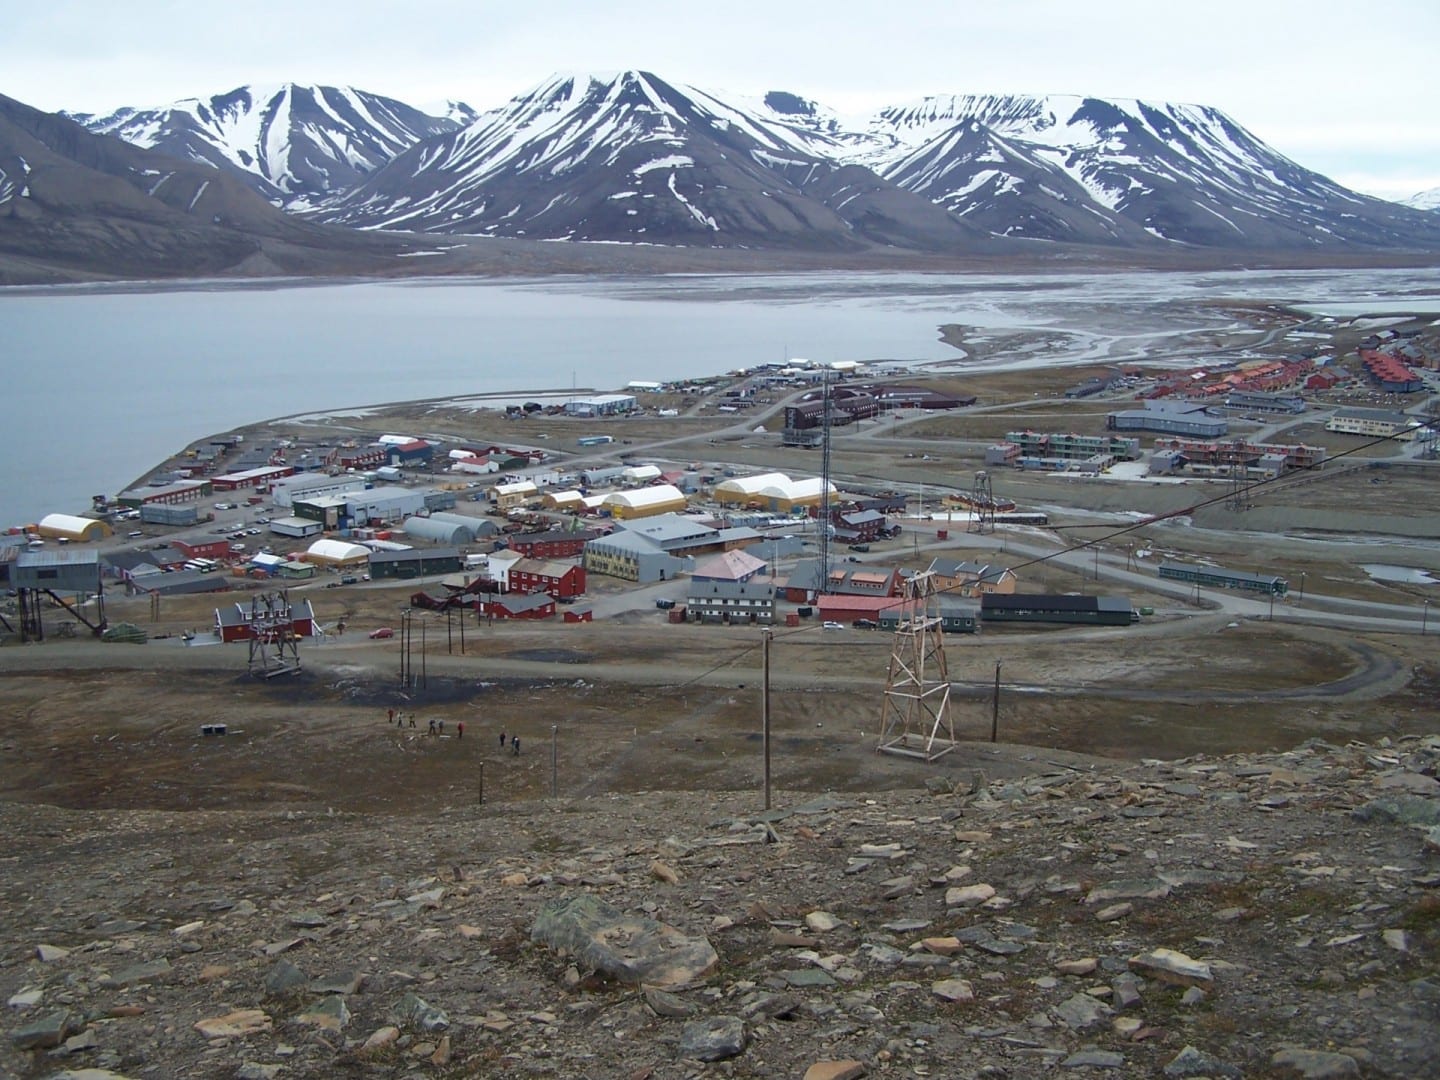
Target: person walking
(515, 745)
(442, 725)
(392, 714)
(502, 740)
(432, 727)
(412, 719)
(460, 729)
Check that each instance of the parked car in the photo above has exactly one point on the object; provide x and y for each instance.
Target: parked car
(383, 632)
(865, 624)
(664, 605)
(859, 547)
(830, 625)
(349, 579)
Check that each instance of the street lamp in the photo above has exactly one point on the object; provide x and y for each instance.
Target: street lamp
(1424, 616)
(1302, 586)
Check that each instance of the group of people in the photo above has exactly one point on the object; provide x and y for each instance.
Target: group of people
(437, 727)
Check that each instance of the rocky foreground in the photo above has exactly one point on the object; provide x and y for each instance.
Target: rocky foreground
(1274, 915)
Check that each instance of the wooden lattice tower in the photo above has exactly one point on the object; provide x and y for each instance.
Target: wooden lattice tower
(915, 720)
(982, 505)
(274, 643)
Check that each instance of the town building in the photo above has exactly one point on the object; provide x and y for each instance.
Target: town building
(549, 576)
(730, 602)
(1057, 608)
(971, 579)
(256, 479)
(845, 579)
(1375, 423)
(179, 491)
(1218, 577)
(519, 606)
(552, 544)
(337, 554)
(737, 565)
(633, 556)
(284, 492)
(956, 615)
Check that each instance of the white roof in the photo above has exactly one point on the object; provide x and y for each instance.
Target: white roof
(642, 472)
(262, 559)
(337, 550)
(752, 485)
(396, 440)
(67, 523)
(808, 488)
(522, 487)
(661, 494)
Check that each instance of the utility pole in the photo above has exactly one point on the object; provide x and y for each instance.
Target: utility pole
(482, 783)
(995, 707)
(554, 761)
(768, 636)
(1424, 616)
(423, 683)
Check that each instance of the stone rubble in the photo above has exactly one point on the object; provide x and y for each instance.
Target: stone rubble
(1267, 914)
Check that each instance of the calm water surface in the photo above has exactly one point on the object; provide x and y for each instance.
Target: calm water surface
(100, 386)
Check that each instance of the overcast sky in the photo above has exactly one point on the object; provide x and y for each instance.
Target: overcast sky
(1349, 90)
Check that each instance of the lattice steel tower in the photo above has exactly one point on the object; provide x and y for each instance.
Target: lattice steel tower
(915, 720)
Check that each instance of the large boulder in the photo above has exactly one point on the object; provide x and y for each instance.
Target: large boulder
(627, 948)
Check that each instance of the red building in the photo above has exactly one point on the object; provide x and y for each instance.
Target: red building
(251, 478)
(574, 614)
(205, 549)
(366, 457)
(555, 544)
(555, 579)
(514, 606)
(844, 609)
(232, 623)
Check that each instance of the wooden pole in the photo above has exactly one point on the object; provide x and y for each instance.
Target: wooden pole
(995, 707)
(482, 783)
(554, 761)
(765, 711)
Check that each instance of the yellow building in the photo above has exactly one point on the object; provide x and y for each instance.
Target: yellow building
(646, 502)
(70, 527)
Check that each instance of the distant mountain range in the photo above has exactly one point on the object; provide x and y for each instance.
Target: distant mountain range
(1426, 200)
(75, 205)
(632, 159)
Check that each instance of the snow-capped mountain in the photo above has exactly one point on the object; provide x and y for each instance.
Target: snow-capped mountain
(630, 157)
(294, 144)
(1117, 170)
(1425, 200)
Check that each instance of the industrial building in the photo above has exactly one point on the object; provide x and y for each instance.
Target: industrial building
(69, 527)
(1169, 418)
(285, 492)
(178, 583)
(1217, 577)
(181, 491)
(645, 502)
(601, 475)
(1057, 608)
(439, 530)
(640, 474)
(165, 514)
(258, 478)
(337, 554)
(414, 562)
(369, 506)
(774, 492)
(296, 527)
(601, 405)
(510, 496)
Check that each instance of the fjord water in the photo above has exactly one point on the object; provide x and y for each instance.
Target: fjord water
(103, 384)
